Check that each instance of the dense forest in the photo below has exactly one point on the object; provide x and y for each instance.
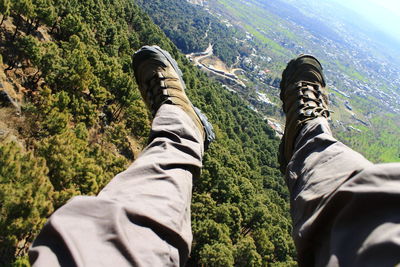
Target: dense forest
(71, 118)
(191, 28)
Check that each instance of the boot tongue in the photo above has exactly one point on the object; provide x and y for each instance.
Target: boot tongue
(310, 75)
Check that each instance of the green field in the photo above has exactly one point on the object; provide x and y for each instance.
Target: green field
(379, 141)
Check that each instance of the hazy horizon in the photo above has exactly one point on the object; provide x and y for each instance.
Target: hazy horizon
(385, 14)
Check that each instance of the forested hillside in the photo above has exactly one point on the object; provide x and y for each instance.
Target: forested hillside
(192, 29)
(71, 118)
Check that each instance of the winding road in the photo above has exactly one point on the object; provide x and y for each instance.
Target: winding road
(198, 57)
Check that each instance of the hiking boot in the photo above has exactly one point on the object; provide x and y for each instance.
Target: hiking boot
(160, 82)
(304, 97)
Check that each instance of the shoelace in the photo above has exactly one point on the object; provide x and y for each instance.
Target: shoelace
(307, 110)
(158, 92)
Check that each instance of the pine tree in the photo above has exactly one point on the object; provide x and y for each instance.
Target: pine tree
(26, 200)
(5, 6)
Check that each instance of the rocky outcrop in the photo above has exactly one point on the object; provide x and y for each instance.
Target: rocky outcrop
(6, 100)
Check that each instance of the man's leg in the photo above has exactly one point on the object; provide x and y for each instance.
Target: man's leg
(142, 217)
(344, 208)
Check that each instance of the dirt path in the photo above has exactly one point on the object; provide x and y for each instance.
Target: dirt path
(208, 29)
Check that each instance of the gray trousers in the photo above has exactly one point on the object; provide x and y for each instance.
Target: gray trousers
(344, 208)
(142, 217)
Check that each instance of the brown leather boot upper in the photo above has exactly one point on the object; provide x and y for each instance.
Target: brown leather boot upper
(160, 82)
(304, 96)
